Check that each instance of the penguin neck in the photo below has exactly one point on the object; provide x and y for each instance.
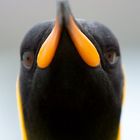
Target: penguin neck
(69, 117)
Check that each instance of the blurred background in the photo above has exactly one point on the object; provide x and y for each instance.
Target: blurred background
(16, 18)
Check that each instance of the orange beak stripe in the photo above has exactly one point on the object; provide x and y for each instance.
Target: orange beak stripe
(48, 49)
(84, 46)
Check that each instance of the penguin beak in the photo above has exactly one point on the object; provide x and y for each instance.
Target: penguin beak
(83, 45)
(48, 48)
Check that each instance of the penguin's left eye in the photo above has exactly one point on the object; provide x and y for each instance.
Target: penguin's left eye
(28, 59)
(112, 57)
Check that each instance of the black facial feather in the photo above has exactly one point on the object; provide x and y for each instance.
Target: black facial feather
(70, 100)
(32, 42)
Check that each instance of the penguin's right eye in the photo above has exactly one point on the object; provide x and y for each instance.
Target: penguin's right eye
(28, 59)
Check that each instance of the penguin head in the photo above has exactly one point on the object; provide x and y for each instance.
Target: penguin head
(71, 81)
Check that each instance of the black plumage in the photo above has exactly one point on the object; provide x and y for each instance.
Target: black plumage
(70, 100)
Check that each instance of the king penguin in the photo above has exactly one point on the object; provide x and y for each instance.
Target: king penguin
(71, 82)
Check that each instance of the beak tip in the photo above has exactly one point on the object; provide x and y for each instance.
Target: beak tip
(63, 11)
